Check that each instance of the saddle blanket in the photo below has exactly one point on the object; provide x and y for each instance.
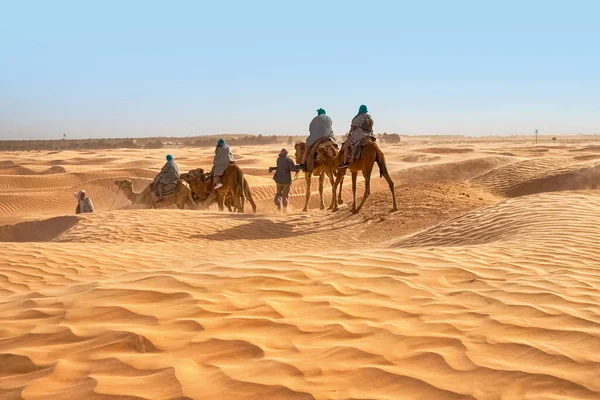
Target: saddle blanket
(168, 189)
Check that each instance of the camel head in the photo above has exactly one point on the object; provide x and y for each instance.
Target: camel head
(197, 179)
(193, 174)
(300, 147)
(196, 173)
(327, 151)
(185, 177)
(125, 183)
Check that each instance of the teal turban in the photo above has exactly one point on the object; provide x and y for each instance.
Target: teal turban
(221, 142)
(320, 111)
(169, 157)
(362, 109)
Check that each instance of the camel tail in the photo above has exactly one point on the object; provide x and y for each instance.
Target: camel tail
(248, 195)
(240, 182)
(380, 159)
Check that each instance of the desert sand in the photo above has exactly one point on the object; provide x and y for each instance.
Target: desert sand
(484, 285)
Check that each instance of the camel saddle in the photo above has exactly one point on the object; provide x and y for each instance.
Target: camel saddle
(314, 150)
(167, 189)
(358, 150)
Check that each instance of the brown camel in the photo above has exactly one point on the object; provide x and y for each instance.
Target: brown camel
(325, 163)
(196, 179)
(233, 185)
(371, 153)
(181, 196)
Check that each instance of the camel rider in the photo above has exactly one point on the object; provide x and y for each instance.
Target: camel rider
(84, 203)
(320, 127)
(360, 128)
(283, 178)
(169, 174)
(223, 158)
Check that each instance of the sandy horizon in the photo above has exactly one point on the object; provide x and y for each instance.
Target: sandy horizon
(484, 285)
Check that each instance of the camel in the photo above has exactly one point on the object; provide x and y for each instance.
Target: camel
(371, 153)
(326, 163)
(233, 185)
(181, 196)
(196, 179)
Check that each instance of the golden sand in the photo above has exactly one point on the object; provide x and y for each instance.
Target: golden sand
(484, 285)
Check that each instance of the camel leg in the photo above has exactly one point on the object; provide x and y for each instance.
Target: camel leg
(237, 201)
(354, 176)
(332, 183)
(242, 199)
(210, 199)
(340, 200)
(391, 185)
(380, 159)
(367, 190)
(307, 178)
(338, 181)
(248, 195)
(227, 202)
(219, 200)
(190, 203)
(181, 202)
(321, 182)
(366, 171)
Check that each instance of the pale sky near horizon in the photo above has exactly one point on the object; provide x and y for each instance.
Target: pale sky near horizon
(133, 68)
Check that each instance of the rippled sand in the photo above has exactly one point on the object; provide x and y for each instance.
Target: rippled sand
(484, 285)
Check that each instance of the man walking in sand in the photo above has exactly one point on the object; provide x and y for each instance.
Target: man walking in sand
(84, 203)
(283, 179)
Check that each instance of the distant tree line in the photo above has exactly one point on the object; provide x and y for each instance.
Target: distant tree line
(160, 142)
(248, 140)
(142, 143)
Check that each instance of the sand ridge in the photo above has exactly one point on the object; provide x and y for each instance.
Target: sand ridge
(479, 287)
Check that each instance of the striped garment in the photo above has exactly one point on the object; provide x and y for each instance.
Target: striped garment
(168, 189)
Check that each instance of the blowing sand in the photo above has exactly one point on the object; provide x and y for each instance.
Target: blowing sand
(484, 285)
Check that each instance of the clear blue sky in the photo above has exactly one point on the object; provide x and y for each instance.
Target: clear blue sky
(147, 68)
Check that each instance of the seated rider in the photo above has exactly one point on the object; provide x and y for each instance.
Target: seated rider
(361, 127)
(168, 175)
(223, 158)
(320, 127)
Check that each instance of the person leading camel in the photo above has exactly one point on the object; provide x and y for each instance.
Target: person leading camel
(283, 178)
(84, 203)
(223, 158)
(320, 127)
(167, 177)
(360, 128)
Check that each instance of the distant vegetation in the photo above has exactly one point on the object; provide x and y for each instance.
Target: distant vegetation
(142, 143)
(247, 140)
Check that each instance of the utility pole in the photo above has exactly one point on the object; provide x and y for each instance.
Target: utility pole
(536, 136)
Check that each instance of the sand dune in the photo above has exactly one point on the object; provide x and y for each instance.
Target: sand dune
(483, 285)
(446, 150)
(540, 175)
(521, 219)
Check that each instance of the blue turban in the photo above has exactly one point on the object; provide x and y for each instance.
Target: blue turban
(363, 109)
(320, 111)
(221, 142)
(169, 157)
